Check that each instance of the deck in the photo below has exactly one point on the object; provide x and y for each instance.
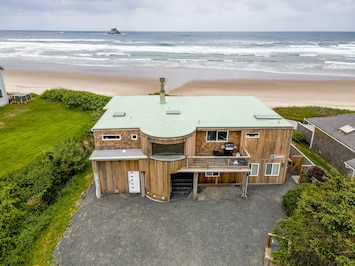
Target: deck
(217, 163)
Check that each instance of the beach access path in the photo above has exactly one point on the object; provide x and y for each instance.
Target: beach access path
(220, 228)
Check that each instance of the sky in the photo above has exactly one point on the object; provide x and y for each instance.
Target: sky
(178, 15)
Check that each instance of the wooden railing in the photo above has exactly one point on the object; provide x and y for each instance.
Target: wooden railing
(218, 162)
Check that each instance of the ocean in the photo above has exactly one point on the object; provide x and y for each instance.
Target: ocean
(292, 53)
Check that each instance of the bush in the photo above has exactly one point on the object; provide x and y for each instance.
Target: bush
(76, 99)
(321, 229)
(26, 194)
(317, 173)
(291, 198)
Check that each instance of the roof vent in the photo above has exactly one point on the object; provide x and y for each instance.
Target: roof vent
(173, 112)
(268, 117)
(119, 114)
(347, 129)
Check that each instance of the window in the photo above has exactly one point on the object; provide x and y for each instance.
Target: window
(168, 149)
(217, 136)
(111, 137)
(254, 169)
(134, 136)
(252, 135)
(211, 174)
(272, 169)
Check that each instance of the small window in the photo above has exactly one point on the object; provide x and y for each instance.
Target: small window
(111, 137)
(134, 136)
(252, 135)
(254, 169)
(221, 136)
(272, 169)
(211, 174)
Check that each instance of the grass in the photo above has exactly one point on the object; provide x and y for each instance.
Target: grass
(62, 212)
(299, 113)
(315, 158)
(27, 130)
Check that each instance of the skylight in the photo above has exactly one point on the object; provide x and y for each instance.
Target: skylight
(268, 117)
(173, 112)
(347, 129)
(119, 114)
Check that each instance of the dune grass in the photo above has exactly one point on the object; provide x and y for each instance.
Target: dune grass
(27, 130)
(298, 113)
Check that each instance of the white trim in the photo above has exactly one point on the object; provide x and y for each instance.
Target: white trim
(212, 174)
(252, 135)
(257, 169)
(134, 136)
(108, 137)
(272, 169)
(216, 140)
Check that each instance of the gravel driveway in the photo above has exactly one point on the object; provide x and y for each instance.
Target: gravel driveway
(219, 228)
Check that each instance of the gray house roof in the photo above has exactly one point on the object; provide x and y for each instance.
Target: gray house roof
(332, 126)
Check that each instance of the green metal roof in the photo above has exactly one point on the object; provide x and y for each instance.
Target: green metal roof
(181, 115)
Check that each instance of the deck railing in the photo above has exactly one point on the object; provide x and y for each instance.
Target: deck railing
(218, 162)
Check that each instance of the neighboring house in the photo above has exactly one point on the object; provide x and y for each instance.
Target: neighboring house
(3, 95)
(162, 146)
(333, 138)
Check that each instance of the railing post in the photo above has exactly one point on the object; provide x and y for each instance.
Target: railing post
(194, 186)
(245, 185)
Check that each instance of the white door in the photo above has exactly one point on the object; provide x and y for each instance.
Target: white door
(134, 185)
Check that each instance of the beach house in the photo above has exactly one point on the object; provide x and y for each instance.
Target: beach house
(333, 138)
(3, 94)
(166, 146)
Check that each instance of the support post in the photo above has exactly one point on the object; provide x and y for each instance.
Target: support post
(245, 185)
(96, 179)
(194, 186)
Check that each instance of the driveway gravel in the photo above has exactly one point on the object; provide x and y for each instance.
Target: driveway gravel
(219, 228)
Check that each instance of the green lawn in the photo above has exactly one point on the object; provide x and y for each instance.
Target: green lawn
(27, 130)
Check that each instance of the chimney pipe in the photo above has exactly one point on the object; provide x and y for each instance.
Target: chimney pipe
(162, 91)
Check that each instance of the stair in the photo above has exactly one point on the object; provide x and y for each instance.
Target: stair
(181, 185)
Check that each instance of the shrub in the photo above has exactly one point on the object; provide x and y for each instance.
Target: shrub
(317, 173)
(76, 99)
(321, 230)
(26, 194)
(291, 198)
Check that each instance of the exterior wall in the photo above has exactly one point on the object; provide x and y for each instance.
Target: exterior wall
(3, 94)
(270, 142)
(114, 175)
(307, 133)
(158, 178)
(205, 148)
(332, 151)
(126, 141)
(224, 178)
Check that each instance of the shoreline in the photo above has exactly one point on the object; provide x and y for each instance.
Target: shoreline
(274, 90)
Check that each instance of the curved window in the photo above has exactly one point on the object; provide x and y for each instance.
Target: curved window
(167, 149)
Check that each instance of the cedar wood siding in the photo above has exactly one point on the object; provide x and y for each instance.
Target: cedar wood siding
(113, 174)
(271, 141)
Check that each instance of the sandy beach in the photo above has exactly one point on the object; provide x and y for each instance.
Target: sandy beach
(273, 92)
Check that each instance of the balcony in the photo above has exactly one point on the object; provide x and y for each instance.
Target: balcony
(217, 163)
